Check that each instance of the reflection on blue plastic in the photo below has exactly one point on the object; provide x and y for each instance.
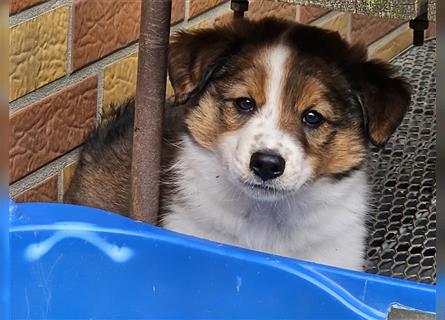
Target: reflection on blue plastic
(75, 262)
(76, 230)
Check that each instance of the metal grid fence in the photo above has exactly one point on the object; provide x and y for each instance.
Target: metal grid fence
(403, 225)
(396, 9)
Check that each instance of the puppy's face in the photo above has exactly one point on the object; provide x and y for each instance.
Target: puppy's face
(278, 112)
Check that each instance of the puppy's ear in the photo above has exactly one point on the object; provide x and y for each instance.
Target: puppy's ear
(384, 98)
(193, 57)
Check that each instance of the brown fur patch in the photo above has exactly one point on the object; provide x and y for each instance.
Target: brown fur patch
(204, 122)
(345, 152)
(338, 144)
(216, 113)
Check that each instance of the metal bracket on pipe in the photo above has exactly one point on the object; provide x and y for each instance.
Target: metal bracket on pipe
(419, 25)
(238, 7)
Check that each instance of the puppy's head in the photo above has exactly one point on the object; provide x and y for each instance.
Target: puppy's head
(282, 105)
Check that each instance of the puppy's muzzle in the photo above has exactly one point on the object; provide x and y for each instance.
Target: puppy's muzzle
(267, 165)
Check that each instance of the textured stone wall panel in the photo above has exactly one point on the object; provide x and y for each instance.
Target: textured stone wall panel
(367, 29)
(37, 52)
(51, 127)
(20, 5)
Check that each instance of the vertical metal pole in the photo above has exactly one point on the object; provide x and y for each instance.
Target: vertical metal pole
(150, 99)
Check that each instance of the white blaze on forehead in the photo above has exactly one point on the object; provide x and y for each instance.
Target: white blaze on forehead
(276, 63)
(262, 132)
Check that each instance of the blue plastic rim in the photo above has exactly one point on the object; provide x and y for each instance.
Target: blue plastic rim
(5, 300)
(71, 262)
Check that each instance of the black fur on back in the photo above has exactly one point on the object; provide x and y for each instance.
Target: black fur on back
(102, 177)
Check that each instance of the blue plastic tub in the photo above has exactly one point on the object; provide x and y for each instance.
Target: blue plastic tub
(82, 263)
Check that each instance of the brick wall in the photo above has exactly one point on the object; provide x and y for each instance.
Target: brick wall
(71, 59)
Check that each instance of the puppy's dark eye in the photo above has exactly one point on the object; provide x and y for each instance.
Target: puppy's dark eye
(312, 118)
(245, 104)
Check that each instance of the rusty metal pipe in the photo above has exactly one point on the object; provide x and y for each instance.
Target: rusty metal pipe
(149, 104)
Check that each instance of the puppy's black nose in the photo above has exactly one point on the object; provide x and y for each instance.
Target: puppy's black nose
(267, 165)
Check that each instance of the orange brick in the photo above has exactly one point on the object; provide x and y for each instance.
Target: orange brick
(200, 6)
(38, 51)
(20, 5)
(45, 191)
(47, 129)
(101, 27)
(335, 22)
(309, 14)
(68, 174)
(392, 44)
(265, 8)
(178, 9)
(367, 29)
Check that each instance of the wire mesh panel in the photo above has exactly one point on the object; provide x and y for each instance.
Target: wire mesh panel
(403, 226)
(432, 10)
(397, 9)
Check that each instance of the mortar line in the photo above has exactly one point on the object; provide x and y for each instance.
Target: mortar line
(186, 10)
(326, 18)
(50, 169)
(212, 13)
(60, 178)
(373, 47)
(298, 13)
(35, 11)
(100, 95)
(69, 49)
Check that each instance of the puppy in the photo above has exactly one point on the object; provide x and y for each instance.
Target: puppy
(278, 118)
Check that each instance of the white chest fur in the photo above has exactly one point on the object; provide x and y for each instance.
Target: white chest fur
(323, 223)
